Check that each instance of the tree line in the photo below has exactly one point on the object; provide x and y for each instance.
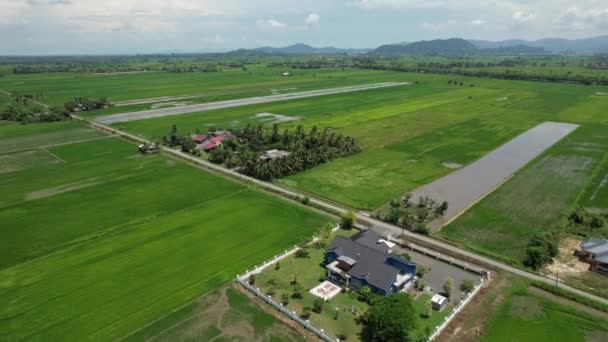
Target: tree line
(566, 77)
(86, 104)
(406, 214)
(24, 109)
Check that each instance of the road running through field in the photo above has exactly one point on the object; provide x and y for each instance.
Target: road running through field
(466, 186)
(201, 107)
(381, 227)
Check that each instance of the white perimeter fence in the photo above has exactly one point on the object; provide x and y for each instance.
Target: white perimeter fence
(244, 281)
(447, 259)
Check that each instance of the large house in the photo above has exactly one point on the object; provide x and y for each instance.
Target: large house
(365, 260)
(595, 252)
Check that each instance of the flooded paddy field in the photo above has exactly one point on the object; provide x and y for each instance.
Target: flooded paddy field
(466, 186)
(537, 198)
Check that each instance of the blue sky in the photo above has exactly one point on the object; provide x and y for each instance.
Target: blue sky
(151, 26)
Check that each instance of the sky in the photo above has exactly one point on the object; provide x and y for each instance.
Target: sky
(160, 26)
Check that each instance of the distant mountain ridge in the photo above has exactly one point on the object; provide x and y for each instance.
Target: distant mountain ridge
(300, 49)
(454, 47)
(553, 45)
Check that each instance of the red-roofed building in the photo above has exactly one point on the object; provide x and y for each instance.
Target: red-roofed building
(199, 138)
(212, 143)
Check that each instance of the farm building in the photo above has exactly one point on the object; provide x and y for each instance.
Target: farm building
(594, 251)
(198, 138)
(439, 302)
(212, 143)
(274, 154)
(365, 260)
(149, 148)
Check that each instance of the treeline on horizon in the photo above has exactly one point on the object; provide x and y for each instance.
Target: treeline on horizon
(577, 69)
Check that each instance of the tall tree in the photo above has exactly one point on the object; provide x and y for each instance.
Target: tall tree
(389, 319)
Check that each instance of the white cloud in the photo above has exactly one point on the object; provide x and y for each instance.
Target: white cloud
(312, 19)
(523, 17)
(269, 24)
(478, 22)
(441, 26)
(578, 19)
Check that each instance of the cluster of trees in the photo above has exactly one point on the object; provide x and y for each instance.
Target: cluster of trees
(86, 104)
(526, 75)
(306, 150)
(413, 216)
(25, 110)
(90, 68)
(191, 68)
(175, 140)
(541, 250)
(585, 224)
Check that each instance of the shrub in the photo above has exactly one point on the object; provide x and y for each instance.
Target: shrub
(302, 253)
(285, 299)
(448, 286)
(348, 220)
(277, 266)
(420, 271)
(252, 279)
(305, 312)
(317, 306)
(305, 200)
(467, 286)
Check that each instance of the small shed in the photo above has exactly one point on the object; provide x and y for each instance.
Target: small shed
(439, 302)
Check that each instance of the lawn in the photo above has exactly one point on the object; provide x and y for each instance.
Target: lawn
(526, 316)
(107, 240)
(226, 312)
(534, 200)
(340, 314)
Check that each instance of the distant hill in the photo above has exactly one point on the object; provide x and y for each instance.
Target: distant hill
(439, 47)
(298, 49)
(553, 45)
(516, 50)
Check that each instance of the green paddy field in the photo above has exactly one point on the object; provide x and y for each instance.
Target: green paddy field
(98, 240)
(406, 132)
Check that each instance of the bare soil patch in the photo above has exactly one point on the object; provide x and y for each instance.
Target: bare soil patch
(566, 264)
(470, 322)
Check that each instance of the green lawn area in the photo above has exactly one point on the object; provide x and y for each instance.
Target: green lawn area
(534, 200)
(107, 240)
(406, 132)
(226, 313)
(425, 323)
(339, 314)
(525, 316)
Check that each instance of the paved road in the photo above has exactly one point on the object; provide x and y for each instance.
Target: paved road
(382, 227)
(201, 107)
